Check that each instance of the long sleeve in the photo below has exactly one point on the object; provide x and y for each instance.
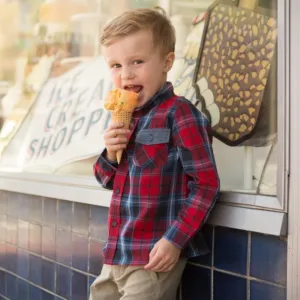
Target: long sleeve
(105, 171)
(190, 136)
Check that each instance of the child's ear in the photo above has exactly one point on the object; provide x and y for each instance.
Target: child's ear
(169, 60)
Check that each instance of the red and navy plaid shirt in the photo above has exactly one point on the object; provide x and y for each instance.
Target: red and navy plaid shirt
(166, 183)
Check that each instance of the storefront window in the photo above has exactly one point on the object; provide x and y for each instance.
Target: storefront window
(53, 81)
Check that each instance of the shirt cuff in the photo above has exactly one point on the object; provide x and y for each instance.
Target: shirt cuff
(104, 169)
(179, 234)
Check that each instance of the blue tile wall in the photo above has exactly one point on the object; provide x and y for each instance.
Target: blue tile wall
(244, 266)
(231, 248)
(51, 250)
(48, 242)
(22, 289)
(266, 291)
(36, 209)
(229, 287)
(35, 238)
(196, 283)
(35, 269)
(64, 247)
(63, 281)
(267, 261)
(79, 252)
(65, 215)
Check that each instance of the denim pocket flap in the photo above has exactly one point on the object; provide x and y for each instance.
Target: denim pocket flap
(153, 136)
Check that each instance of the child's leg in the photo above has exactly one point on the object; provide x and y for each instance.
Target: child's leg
(104, 288)
(136, 283)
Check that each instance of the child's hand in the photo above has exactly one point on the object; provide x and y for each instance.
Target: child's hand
(163, 256)
(115, 138)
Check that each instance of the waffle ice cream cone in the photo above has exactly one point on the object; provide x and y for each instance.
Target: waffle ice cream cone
(121, 117)
(121, 104)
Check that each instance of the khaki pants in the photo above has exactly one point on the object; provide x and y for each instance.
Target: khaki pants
(135, 283)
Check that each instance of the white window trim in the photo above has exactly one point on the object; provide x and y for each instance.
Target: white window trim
(293, 270)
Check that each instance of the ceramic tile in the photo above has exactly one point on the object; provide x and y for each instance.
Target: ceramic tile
(11, 258)
(63, 281)
(196, 281)
(3, 227)
(95, 257)
(49, 212)
(35, 269)
(3, 202)
(231, 247)
(11, 286)
(2, 255)
(263, 291)
(35, 238)
(79, 252)
(64, 247)
(23, 264)
(64, 220)
(2, 282)
(48, 273)
(98, 227)
(268, 258)
(228, 287)
(79, 286)
(13, 204)
(22, 290)
(36, 206)
(48, 242)
(24, 207)
(23, 234)
(47, 296)
(35, 293)
(80, 220)
(11, 230)
(91, 279)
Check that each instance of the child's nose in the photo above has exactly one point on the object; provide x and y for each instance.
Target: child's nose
(127, 73)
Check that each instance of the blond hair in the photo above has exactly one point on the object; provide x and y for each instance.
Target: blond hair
(133, 21)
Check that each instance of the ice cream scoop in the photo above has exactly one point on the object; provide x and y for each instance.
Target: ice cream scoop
(121, 104)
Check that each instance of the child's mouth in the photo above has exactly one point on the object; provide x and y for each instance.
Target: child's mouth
(134, 88)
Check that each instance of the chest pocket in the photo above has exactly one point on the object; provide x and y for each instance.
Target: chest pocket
(151, 149)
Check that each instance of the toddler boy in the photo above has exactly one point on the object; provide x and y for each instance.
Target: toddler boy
(166, 183)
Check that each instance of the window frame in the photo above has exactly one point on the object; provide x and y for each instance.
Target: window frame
(278, 202)
(259, 213)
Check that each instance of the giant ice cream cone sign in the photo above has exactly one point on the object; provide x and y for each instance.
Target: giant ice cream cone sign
(121, 104)
(235, 64)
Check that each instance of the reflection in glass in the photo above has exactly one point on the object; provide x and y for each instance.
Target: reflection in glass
(225, 64)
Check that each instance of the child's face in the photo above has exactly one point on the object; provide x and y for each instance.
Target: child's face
(137, 65)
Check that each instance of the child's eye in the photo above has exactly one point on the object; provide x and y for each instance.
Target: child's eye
(116, 66)
(137, 62)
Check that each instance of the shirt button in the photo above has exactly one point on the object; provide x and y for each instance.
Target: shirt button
(117, 191)
(114, 223)
(150, 137)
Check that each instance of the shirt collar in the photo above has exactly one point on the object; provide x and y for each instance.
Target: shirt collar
(165, 92)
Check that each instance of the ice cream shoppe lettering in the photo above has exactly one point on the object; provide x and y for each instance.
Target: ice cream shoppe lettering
(70, 114)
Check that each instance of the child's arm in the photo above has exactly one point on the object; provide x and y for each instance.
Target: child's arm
(190, 135)
(191, 138)
(115, 138)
